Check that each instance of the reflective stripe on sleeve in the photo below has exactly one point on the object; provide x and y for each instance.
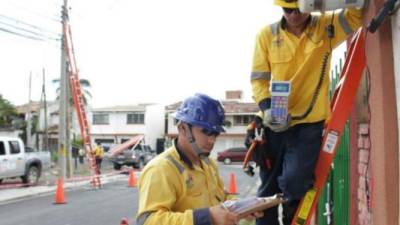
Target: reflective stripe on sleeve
(275, 28)
(177, 165)
(143, 217)
(344, 24)
(260, 75)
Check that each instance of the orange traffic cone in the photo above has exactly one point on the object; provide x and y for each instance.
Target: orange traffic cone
(124, 221)
(232, 184)
(132, 178)
(59, 199)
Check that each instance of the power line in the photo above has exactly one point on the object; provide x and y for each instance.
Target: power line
(38, 35)
(17, 21)
(54, 17)
(21, 35)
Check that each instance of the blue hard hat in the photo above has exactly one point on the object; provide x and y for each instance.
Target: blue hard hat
(202, 111)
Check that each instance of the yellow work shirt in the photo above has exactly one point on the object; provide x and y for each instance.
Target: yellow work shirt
(282, 56)
(170, 190)
(99, 152)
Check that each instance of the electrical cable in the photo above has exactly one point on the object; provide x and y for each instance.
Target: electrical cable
(378, 19)
(20, 22)
(36, 34)
(54, 17)
(325, 60)
(21, 35)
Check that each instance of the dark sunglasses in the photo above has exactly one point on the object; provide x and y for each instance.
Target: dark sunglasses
(209, 133)
(291, 10)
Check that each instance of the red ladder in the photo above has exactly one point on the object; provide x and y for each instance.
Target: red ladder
(79, 105)
(341, 106)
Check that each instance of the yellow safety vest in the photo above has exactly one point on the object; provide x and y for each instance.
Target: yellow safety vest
(280, 55)
(169, 189)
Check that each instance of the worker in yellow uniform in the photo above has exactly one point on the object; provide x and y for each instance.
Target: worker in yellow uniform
(183, 185)
(297, 50)
(98, 153)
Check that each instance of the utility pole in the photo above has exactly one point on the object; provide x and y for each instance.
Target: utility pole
(46, 134)
(63, 140)
(28, 114)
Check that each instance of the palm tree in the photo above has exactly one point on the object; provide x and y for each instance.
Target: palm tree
(85, 84)
(8, 112)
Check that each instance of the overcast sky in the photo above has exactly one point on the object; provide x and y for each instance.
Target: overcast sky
(134, 51)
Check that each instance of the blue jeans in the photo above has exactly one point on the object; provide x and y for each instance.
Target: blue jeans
(295, 153)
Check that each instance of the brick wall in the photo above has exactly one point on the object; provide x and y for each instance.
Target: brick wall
(364, 181)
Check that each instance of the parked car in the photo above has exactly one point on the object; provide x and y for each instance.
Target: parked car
(107, 146)
(137, 157)
(235, 154)
(20, 161)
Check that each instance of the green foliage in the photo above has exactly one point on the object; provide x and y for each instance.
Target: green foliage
(85, 85)
(22, 124)
(77, 142)
(54, 156)
(8, 112)
(227, 123)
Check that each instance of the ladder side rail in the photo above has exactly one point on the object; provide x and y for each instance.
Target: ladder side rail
(350, 51)
(342, 105)
(75, 100)
(79, 106)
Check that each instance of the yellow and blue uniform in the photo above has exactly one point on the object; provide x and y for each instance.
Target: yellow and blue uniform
(98, 151)
(172, 190)
(304, 61)
(280, 55)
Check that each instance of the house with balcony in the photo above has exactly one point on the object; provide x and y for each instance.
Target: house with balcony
(238, 114)
(117, 124)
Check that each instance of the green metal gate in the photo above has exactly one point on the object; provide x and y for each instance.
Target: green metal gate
(334, 204)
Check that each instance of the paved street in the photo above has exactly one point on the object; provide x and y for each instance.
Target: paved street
(93, 207)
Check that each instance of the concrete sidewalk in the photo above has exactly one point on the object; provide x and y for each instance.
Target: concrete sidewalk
(48, 184)
(14, 194)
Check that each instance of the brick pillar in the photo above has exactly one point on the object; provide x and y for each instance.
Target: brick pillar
(364, 179)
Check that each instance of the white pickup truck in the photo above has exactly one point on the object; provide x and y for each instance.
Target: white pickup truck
(16, 160)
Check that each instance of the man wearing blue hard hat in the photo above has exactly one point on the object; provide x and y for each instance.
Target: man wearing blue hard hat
(182, 185)
(290, 84)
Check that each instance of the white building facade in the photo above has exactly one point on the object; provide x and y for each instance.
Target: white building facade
(115, 125)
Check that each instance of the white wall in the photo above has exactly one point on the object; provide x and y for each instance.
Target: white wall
(155, 124)
(171, 126)
(152, 128)
(117, 125)
(13, 133)
(51, 120)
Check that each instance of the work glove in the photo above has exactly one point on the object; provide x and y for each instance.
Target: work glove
(269, 122)
(250, 135)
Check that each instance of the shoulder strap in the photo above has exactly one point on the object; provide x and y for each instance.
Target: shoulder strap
(275, 28)
(178, 166)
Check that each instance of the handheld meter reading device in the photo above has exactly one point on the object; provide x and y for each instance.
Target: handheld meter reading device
(280, 91)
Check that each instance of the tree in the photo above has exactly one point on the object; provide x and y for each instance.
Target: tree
(85, 85)
(8, 112)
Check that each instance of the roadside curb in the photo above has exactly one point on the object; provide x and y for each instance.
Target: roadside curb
(9, 195)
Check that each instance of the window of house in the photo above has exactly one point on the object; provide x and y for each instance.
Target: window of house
(101, 119)
(2, 148)
(242, 120)
(135, 118)
(14, 147)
